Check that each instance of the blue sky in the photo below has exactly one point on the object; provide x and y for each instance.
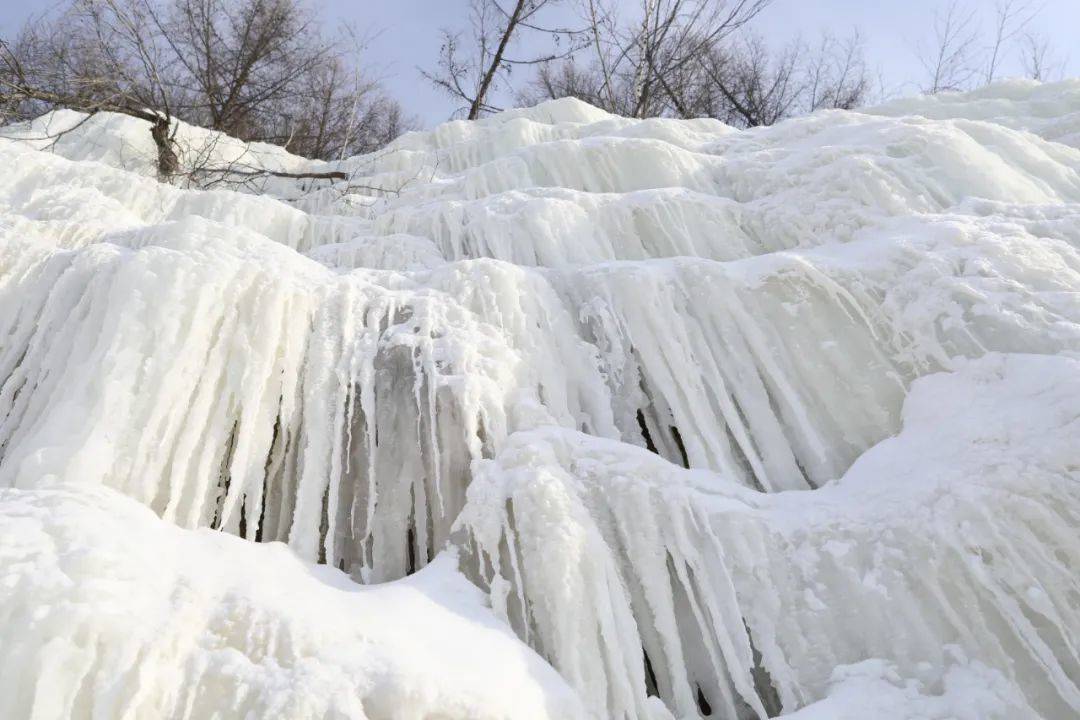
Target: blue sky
(407, 35)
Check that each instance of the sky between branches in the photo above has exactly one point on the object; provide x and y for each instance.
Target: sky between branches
(404, 35)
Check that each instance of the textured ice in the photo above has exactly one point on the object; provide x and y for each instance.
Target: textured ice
(721, 423)
(1048, 110)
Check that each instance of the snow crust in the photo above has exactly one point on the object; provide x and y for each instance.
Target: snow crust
(850, 341)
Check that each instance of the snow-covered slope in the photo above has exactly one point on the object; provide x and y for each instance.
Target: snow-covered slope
(851, 342)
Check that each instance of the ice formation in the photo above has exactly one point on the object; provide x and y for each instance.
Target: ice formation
(721, 423)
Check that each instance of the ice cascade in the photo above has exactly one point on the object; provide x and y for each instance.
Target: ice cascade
(554, 414)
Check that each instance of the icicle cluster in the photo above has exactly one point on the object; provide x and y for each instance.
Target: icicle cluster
(849, 342)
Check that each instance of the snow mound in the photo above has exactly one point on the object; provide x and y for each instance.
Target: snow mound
(102, 604)
(721, 423)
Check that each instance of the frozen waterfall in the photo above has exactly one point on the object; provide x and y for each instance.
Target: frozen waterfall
(554, 415)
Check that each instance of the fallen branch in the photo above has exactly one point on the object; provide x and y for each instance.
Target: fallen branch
(331, 175)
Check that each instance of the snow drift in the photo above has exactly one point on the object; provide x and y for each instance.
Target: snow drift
(720, 423)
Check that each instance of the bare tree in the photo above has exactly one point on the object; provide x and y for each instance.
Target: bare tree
(335, 112)
(674, 35)
(640, 62)
(93, 58)
(748, 84)
(1037, 58)
(958, 59)
(950, 62)
(643, 62)
(740, 80)
(600, 26)
(650, 63)
(836, 75)
(255, 69)
(492, 34)
(1011, 17)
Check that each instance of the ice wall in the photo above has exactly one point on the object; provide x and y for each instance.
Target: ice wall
(477, 344)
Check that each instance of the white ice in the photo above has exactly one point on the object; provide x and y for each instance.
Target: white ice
(850, 341)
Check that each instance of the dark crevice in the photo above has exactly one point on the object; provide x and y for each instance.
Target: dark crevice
(262, 518)
(410, 548)
(410, 535)
(429, 548)
(763, 684)
(645, 432)
(682, 448)
(267, 467)
(703, 704)
(486, 451)
(7, 414)
(650, 677)
(15, 393)
(324, 526)
(806, 476)
(224, 479)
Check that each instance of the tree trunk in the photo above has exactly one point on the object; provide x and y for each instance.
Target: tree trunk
(167, 162)
(485, 82)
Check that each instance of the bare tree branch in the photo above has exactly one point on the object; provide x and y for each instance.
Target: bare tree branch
(255, 69)
(949, 62)
(494, 29)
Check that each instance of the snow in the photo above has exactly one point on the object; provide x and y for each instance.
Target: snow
(852, 342)
(873, 689)
(104, 605)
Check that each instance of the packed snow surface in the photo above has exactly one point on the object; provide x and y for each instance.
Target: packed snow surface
(550, 415)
